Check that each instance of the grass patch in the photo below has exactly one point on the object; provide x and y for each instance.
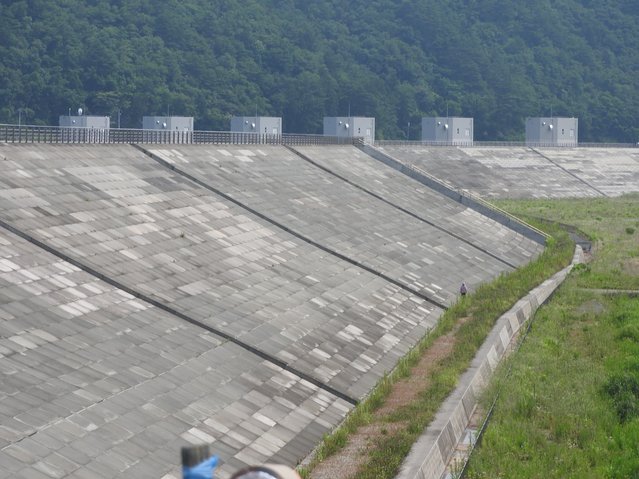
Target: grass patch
(606, 221)
(483, 307)
(570, 406)
(623, 390)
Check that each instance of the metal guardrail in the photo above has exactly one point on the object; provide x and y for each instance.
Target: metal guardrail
(61, 134)
(73, 135)
(511, 144)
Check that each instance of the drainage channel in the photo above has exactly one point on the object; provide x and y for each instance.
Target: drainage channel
(400, 208)
(457, 465)
(259, 353)
(471, 439)
(290, 231)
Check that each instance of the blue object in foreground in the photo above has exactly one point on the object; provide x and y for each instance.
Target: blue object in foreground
(203, 470)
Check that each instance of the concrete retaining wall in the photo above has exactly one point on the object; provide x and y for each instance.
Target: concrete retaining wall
(446, 190)
(430, 454)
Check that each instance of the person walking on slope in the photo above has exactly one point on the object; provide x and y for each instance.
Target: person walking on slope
(463, 289)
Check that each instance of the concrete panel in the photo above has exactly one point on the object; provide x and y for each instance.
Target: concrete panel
(117, 211)
(496, 172)
(612, 171)
(94, 380)
(407, 193)
(330, 212)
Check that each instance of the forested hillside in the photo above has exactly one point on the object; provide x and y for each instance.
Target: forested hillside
(498, 61)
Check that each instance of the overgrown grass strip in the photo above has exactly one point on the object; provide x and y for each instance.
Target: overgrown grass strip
(569, 405)
(483, 308)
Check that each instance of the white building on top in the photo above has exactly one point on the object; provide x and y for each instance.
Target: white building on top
(552, 131)
(168, 123)
(350, 127)
(265, 125)
(448, 130)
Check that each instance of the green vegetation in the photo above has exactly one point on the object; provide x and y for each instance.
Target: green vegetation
(498, 62)
(607, 222)
(470, 320)
(570, 405)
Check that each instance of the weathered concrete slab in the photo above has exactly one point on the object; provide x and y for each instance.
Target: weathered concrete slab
(316, 204)
(480, 231)
(98, 382)
(149, 229)
(496, 172)
(95, 382)
(612, 171)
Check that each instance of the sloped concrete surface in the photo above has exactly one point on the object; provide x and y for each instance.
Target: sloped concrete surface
(480, 231)
(156, 313)
(612, 171)
(501, 172)
(96, 383)
(327, 210)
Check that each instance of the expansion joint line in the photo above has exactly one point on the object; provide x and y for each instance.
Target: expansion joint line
(290, 231)
(113, 282)
(400, 208)
(568, 172)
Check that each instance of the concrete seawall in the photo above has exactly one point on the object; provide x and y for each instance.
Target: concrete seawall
(431, 453)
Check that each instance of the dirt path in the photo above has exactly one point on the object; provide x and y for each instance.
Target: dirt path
(345, 463)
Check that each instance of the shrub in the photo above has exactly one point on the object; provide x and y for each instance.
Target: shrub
(623, 389)
(630, 332)
(581, 268)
